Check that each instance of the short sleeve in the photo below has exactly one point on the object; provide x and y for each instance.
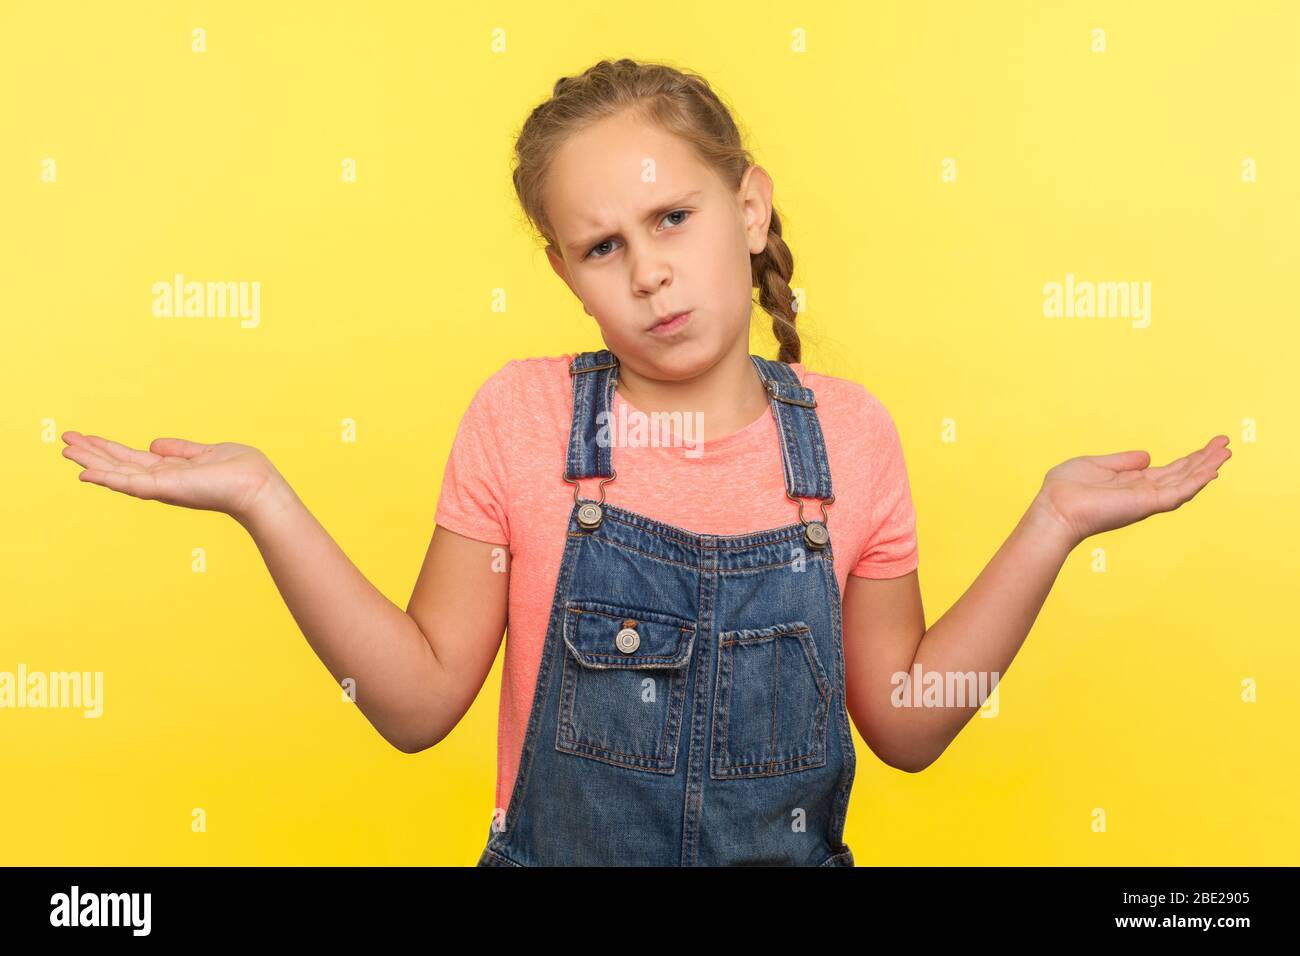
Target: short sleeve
(474, 499)
(890, 550)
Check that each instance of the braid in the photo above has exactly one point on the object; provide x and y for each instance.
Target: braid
(772, 269)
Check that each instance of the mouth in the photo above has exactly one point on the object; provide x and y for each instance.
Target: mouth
(670, 323)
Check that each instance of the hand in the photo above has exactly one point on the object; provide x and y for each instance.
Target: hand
(225, 477)
(1095, 493)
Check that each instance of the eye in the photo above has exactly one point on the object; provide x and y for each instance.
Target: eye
(591, 252)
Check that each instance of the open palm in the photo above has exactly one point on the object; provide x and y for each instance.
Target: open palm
(1096, 493)
(223, 477)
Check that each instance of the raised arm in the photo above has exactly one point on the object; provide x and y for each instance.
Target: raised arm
(884, 624)
(414, 673)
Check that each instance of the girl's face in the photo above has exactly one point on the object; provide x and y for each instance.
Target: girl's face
(644, 231)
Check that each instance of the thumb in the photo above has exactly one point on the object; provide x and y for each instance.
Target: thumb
(1122, 460)
(177, 447)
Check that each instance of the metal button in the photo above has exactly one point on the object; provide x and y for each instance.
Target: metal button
(627, 640)
(589, 516)
(816, 535)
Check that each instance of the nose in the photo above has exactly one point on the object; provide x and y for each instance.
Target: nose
(650, 271)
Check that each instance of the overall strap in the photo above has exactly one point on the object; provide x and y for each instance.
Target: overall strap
(803, 449)
(594, 377)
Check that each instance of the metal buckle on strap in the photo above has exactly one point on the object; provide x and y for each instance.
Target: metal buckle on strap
(591, 513)
(773, 389)
(592, 368)
(815, 534)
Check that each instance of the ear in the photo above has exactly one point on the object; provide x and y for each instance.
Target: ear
(755, 198)
(561, 270)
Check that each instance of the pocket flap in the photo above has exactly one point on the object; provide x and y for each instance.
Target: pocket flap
(591, 632)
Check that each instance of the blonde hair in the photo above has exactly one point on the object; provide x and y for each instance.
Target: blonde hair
(682, 104)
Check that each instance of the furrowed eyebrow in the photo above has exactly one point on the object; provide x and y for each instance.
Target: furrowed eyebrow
(582, 245)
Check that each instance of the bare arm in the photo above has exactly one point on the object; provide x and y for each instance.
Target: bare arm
(416, 672)
(885, 636)
(884, 624)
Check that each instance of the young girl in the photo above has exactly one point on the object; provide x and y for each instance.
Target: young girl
(681, 677)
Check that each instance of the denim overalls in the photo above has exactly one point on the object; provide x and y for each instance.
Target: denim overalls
(690, 706)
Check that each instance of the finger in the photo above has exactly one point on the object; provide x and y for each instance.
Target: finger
(1213, 460)
(177, 447)
(89, 456)
(1194, 482)
(1210, 451)
(1214, 454)
(1179, 468)
(1175, 494)
(1170, 497)
(141, 459)
(1175, 470)
(78, 440)
(1122, 460)
(136, 484)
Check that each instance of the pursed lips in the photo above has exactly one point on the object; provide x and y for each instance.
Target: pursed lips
(672, 317)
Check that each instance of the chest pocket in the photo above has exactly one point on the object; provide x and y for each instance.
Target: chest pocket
(772, 703)
(623, 685)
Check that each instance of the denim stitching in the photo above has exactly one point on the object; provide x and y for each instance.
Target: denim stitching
(665, 760)
(720, 767)
(729, 572)
(544, 675)
(842, 720)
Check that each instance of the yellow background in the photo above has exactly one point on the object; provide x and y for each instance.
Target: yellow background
(1120, 165)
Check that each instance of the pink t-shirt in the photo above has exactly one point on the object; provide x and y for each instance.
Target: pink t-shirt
(503, 485)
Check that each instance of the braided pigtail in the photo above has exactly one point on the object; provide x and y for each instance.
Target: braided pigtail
(772, 269)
